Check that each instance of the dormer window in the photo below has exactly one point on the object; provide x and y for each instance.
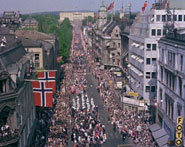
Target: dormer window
(4, 87)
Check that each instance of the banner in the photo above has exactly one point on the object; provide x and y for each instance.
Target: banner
(49, 76)
(43, 93)
(111, 6)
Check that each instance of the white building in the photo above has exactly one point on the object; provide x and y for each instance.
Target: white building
(171, 80)
(145, 33)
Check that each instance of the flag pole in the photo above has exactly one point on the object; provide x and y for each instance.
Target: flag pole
(30, 80)
(42, 70)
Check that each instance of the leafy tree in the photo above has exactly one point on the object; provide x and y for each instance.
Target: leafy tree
(89, 19)
(49, 24)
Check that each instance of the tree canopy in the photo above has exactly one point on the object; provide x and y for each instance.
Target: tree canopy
(49, 24)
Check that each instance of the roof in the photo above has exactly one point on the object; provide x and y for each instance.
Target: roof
(30, 20)
(109, 27)
(30, 43)
(102, 7)
(35, 35)
(12, 55)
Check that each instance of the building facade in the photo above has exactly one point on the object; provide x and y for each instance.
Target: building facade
(171, 81)
(72, 16)
(17, 110)
(145, 33)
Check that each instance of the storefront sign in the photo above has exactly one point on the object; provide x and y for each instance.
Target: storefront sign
(133, 94)
(179, 129)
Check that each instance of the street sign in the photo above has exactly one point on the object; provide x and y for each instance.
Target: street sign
(179, 128)
(133, 94)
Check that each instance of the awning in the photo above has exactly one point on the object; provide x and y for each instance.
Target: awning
(161, 137)
(162, 141)
(154, 127)
(159, 133)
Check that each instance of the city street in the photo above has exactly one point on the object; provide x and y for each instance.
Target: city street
(92, 99)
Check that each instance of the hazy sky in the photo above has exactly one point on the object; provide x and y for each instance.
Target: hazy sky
(28, 6)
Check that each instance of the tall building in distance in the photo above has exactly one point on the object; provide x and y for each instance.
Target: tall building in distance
(145, 33)
(102, 16)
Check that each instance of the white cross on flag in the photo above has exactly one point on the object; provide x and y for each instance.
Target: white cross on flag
(49, 76)
(43, 94)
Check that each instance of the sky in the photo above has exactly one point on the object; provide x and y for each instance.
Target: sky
(31, 6)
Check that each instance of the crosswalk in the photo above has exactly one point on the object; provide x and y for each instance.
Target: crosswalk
(83, 102)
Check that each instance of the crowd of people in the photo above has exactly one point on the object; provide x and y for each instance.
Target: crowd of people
(54, 123)
(129, 124)
(87, 129)
(6, 133)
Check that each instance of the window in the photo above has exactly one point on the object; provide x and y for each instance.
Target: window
(158, 32)
(180, 18)
(36, 57)
(163, 18)
(169, 18)
(158, 18)
(147, 75)
(147, 88)
(119, 45)
(181, 66)
(154, 75)
(113, 54)
(147, 60)
(172, 109)
(152, 88)
(164, 32)
(153, 32)
(180, 86)
(161, 73)
(184, 17)
(148, 46)
(174, 17)
(153, 60)
(154, 47)
(161, 96)
(179, 109)
(162, 55)
(171, 59)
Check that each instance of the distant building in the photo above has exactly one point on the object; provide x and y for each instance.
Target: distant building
(43, 46)
(11, 19)
(72, 16)
(102, 16)
(17, 109)
(171, 81)
(30, 23)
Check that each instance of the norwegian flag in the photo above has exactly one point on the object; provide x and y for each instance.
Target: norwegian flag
(43, 94)
(59, 59)
(111, 6)
(49, 76)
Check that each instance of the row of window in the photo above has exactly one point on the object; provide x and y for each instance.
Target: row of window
(156, 32)
(150, 75)
(171, 59)
(150, 88)
(151, 61)
(170, 80)
(169, 104)
(165, 18)
(150, 47)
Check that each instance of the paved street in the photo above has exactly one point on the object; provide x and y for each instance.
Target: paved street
(113, 138)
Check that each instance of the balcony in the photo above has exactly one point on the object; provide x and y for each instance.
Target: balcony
(138, 49)
(9, 140)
